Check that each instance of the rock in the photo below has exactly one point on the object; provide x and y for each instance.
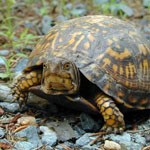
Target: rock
(111, 145)
(122, 7)
(97, 2)
(23, 146)
(61, 18)
(128, 141)
(5, 94)
(69, 6)
(85, 139)
(49, 137)
(79, 10)
(146, 3)
(147, 138)
(10, 107)
(88, 124)
(27, 120)
(4, 52)
(28, 24)
(79, 132)
(67, 144)
(63, 129)
(46, 24)
(130, 146)
(126, 9)
(2, 132)
(137, 138)
(42, 103)
(31, 134)
(89, 147)
(117, 138)
(48, 147)
(22, 63)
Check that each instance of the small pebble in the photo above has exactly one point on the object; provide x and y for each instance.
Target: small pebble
(49, 137)
(4, 52)
(88, 123)
(111, 145)
(79, 10)
(46, 24)
(117, 138)
(85, 139)
(27, 120)
(31, 134)
(100, 1)
(10, 107)
(126, 9)
(23, 145)
(2, 132)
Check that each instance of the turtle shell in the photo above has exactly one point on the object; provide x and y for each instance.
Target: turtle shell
(111, 53)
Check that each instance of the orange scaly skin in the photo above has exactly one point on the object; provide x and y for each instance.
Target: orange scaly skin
(114, 119)
(23, 83)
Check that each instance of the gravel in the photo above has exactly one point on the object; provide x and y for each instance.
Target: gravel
(31, 134)
(10, 107)
(2, 132)
(49, 137)
(23, 146)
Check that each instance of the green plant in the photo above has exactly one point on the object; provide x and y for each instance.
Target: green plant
(111, 8)
(8, 74)
(24, 39)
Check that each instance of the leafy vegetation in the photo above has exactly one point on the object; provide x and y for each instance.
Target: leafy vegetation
(8, 74)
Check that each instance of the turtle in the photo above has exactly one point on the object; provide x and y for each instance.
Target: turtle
(101, 61)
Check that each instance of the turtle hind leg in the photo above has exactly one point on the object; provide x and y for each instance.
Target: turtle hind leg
(114, 119)
(23, 83)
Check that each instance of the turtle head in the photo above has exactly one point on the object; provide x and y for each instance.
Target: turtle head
(60, 76)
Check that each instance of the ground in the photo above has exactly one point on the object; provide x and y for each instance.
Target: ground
(41, 127)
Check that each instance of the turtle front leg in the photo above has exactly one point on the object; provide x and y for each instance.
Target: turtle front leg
(114, 119)
(23, 83)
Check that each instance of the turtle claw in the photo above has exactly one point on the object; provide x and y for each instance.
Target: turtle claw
(19, 96)
(110, 129)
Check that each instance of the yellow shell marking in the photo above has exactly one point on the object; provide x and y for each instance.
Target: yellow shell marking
(54, 40)
(142, 49)
(86, 45)
(117, 55)
(106, 61)
(121, 70)
(132, 70)
(145, 66)
(91, 37)
(115, 68)
(109, 42)
(78, 42)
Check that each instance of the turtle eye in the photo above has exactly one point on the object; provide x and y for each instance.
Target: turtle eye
(44, 66)
(66, 66)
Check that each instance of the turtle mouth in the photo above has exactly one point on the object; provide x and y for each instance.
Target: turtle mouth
(56, 85)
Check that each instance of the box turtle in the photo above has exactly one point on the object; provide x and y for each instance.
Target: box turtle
(101, 61)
